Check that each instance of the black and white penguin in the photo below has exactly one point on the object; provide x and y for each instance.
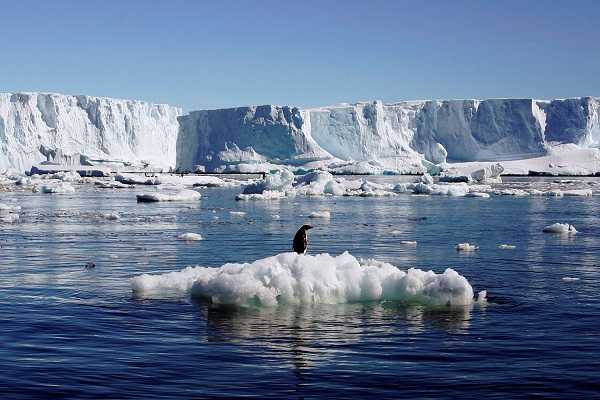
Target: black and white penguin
(301, 239)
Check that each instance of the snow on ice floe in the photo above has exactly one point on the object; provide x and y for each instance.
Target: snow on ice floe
(507, 246)
(181, 195)
(565, 229)
(290, 278)
(466, 247)
(190, 236)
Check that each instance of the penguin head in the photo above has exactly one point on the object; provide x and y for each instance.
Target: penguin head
(306, 227)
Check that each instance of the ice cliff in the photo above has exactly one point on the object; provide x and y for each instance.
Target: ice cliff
(395, 136)
(66, 129)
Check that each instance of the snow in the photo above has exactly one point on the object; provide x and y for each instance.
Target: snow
(73, 130)
(182, 195)
(565, 229)
(190, 236)
(290, 278)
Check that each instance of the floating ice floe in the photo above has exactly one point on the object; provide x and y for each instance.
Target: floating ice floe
(409, 242)
(111, 216)
(478, 194)
(320, 214)
(9, 214)
(290, 278)
(237, 213)
(182, 195)
(190, 236)
(113, 185)
(466, 247)
(506, 246)
(132, 179)
(61, 187)
(570, 279)
(557, 227)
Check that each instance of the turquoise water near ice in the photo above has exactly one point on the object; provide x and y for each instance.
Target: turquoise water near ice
(71, 332)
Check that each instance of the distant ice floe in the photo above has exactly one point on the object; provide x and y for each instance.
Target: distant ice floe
(466, 247)
(409, 242)
(182, 195)
(570, 279)
(190, 236)
(507, 246)
(9, 214)
(237, 213)
(565, 229)
(290, 278)
(111, 216)
(320, 214)
(60, 187)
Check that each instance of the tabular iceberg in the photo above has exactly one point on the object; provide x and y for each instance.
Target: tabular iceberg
(396, 137)
(36, 127)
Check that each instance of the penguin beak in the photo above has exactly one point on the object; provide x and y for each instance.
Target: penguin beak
(309, 227)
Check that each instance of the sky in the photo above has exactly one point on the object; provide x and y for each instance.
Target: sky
(213, 54)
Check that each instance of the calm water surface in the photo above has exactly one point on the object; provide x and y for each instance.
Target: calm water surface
(68, 332)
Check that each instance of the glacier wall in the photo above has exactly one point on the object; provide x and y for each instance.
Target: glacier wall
(455, 130)
(35, 127)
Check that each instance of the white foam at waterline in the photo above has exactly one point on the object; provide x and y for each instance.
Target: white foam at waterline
(565, 229)
(320, 214)
(190, 236)
(290, 278)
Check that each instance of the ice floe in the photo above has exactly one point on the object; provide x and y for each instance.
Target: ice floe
(324, 214)
(506, 246)
(565, 229)
(190, 236)
(182, 195)
(290, 278)
(466, 247)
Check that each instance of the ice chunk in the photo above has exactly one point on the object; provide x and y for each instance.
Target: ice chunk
(570, 279)
(61, 187)
(478, 194)
(482, 297)
(237, 213)
(320, 214)
(111, 216)
(578, 192)
(290, 278)
(190, 236)
(466, 247)
(506, 246)
(132, 179)
(266, 195)
(182, 195)
(409, 242)
(558, 227)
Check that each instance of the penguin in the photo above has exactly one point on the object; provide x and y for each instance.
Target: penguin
(301, 239)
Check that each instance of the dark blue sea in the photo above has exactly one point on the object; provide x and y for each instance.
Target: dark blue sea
(72, 332)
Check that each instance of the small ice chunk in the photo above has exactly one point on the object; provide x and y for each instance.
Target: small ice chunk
(320, 214)
(482, 296)
(237, 213)
(557, 227)
(189, 236)
(396, 232)
(182, 195)
(111, 216)
(61, 187)
(466, 247)
(570, 279)
(507, 246)
(409, 242)
(478, 194)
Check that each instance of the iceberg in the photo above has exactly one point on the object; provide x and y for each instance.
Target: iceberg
(79, 130)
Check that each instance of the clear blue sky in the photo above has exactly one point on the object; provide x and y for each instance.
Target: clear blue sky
(209, 54)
